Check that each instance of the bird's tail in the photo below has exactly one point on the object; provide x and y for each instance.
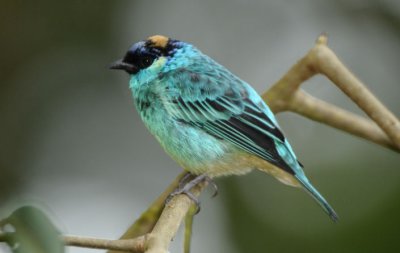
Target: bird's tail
(318, 197)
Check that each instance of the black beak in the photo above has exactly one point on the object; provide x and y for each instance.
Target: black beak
(131, 69)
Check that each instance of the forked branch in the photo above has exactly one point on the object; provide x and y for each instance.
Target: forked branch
(286, 95)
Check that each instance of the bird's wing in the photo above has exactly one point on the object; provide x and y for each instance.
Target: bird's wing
(219, 103)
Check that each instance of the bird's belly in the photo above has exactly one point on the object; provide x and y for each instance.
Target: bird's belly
(198, 152)
(195, 150)
(192, 148)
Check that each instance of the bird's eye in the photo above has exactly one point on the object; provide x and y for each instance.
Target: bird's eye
(145, 62)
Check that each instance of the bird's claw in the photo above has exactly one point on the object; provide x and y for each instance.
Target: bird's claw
(214, 186)
(186, 184)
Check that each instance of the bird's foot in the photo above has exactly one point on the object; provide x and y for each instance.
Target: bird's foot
(187, 183)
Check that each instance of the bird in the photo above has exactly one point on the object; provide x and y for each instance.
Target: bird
(207, 119)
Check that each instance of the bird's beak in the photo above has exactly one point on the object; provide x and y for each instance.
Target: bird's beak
(131, 69)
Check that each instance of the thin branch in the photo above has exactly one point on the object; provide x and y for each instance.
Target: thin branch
(126, 245)
(331, 115)
(286, 95)
(357, 91)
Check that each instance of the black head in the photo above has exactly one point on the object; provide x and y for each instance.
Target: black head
(143, 53)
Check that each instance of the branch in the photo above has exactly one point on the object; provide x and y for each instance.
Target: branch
(146, 222)
(318, 110)
(148, 219)
(135, 245)
(170, 220)
(155, 242)
(189, 228)
(286, 95)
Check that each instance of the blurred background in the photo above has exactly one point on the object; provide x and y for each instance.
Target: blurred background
(72, 143)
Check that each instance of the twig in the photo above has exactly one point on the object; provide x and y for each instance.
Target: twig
(336, 117)
(127, 245)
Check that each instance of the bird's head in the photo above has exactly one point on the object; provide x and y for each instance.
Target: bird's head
(149, 56)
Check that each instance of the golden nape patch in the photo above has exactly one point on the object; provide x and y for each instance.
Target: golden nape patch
(158, 41)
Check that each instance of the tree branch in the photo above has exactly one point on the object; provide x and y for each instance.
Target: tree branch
(170, 220)
(155, 242)
(331, 115)
(135, 245)
(146, 222)
(286, 95)
(356, 90)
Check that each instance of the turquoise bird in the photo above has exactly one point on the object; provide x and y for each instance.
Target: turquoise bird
(207, 119)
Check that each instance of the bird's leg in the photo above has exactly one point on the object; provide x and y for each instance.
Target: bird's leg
(182, 182)
(185, 179)
(185, 186)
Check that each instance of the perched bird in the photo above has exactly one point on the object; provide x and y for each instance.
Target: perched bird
(207, 119)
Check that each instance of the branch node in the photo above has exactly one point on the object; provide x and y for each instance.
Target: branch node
(322, 39)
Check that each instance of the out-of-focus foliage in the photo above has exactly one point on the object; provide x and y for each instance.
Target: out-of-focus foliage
(31, 231)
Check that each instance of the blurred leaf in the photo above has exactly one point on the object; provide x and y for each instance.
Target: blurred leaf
(33, 232)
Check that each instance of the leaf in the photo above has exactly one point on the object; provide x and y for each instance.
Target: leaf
(33, 232)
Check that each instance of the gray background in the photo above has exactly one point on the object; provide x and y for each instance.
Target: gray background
(72, 143)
